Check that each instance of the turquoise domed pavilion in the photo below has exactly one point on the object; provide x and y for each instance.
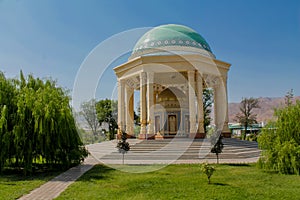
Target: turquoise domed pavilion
(169, 67)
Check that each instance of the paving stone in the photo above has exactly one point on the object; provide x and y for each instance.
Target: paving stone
(57, 185)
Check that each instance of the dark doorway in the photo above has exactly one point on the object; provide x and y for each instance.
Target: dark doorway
(172, 124)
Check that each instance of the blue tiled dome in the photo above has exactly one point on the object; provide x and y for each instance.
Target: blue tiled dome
(171, 35)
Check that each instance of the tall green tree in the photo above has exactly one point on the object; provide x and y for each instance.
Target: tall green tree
(246, 116)
(45, 126)
(88, 111)
(37, 125)
(280, 141)
(289, 98)
(8, 109)
(3, 131)
(107, 113)
(207, 99)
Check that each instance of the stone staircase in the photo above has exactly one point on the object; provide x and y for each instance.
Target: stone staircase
(182, 150)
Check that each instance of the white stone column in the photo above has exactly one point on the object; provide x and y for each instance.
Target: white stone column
(129, 110)
(163, 120)
(219, 116)
(192, 106)
(216, 98)
(221, 105)
(200, 103)
(150, 102)
(121, 106)
(225, 127)
(143, 102)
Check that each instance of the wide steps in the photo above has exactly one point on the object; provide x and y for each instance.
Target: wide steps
(182, 149)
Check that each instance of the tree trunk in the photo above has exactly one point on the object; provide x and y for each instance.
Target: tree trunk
(111, 137)
(217, 158)
(245, 132)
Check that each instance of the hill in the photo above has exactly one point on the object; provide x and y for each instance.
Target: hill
(264, 113)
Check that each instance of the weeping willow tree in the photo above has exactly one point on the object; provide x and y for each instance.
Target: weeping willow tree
(7, 115)
(3, 131)
(43, 128)
(280, 141)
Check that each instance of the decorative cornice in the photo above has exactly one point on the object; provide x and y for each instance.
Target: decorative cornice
(211, 80)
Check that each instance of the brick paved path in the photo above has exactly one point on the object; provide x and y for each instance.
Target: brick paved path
(57, 185)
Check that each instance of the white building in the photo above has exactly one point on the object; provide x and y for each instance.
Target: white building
(170, 65)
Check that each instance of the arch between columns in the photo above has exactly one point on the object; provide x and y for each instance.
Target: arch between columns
(191, 119)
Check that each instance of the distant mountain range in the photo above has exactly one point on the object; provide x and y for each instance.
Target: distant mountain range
(264, 113)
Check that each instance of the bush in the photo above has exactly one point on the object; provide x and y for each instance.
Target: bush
(289, 158)
(280, 142)
(252, 137)
(123, 145)
(217, 147)
(208, 170)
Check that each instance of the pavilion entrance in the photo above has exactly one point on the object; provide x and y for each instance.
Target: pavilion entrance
(172, 124)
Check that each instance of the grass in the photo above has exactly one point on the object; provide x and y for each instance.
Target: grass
(184, 182)
(13, 184)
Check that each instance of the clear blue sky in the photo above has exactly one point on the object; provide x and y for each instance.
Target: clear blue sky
(260, 38)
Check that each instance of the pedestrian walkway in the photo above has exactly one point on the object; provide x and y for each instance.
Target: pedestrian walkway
(148, 152)
(57, 185)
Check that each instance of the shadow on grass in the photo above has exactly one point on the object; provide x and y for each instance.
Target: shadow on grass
(221, 184)
(98, 172)
(238, 164)
(271, 171)
(10, 175)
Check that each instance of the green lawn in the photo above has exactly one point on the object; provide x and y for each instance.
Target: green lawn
(14, 185)
(184, 182)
